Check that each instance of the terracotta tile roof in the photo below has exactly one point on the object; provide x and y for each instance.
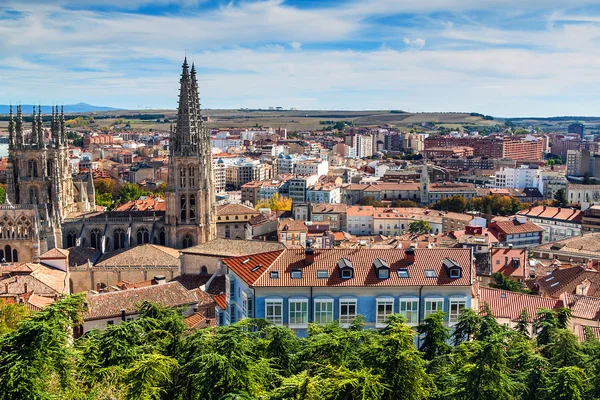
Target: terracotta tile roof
(221, 300)
(584, 306)
(500, 255)
(586, 245)
(199, 321)
(81, 255)
(356, 211)
(362, 261)
(204, 298)
(37, 303)
(251, 267)
(328, 208)
(55, 253)
(567, 279)
(191, 281)
(505, 304)
(292, 225)
(382, 186)
(146, 204)
(512, 226)
(107, 305)
(558, 213)
(235, 209)
(146, 254)
(38, 278)
(233, 247)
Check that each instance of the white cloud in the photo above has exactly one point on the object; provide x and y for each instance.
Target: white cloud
(417, 43)
(296, 45)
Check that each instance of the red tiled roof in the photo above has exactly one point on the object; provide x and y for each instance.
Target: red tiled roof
(234, 209)
(199, 321)
(567, 279)
(362, 262)
(247, 267)
(584, 306)
(221, 300)
(505, 304)
(106, 305)
(513, 226)
(55, 253)
(581, 332)
(564, 214)
(292, 225)
(147, 204)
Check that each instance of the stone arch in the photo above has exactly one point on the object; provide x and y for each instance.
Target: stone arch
(24, 227)
(187, 241)
(32, 168)
(96, 238)
(6, 227)
(119, 238)
(142, 235)
(204, 270)
(191, 176)
(71, 239)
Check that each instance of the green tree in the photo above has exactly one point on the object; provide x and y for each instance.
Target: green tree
(563, 349)
(568, 383)
(129, 192)
(560, 198)
(369, 201)
(435, 336)
(419, 227)
(467, 326)
(2, 194)
(456, 203)
(503, 282)
(404, 203)
(11, 315)
(523, 322)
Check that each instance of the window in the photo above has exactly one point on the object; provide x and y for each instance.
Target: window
(409, 308)
(385, 308)
(323, 311)
(322, 273)
(274, 311)
(119, 238)
(433, 305)
(346, 273)
(383, 273)
(296, 274)
(187, 241)
(274, 274)
(347, 311)
(456, 306)
(96, 238)
(298, 312)
(429, 273)
(455, 273)
(143, 236)
(403, 273)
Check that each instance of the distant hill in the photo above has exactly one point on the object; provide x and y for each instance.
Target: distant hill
(69, 108)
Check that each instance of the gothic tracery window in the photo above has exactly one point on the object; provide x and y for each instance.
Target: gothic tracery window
(187, 241)
(191, 177)
(96, 238)
(182, 177)
(32, 169)
(182, 208)
(192, 208)
(71, 239)
(143, 236)
(119, 238)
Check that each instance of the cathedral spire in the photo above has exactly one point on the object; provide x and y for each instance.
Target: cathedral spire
(19, 126)
(32, 138)
(185, 138)
(40, 127)
(11, 130)
(63, 135)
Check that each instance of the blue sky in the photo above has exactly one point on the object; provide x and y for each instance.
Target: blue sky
(499, 57)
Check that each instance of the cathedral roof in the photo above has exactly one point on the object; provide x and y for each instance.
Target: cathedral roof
(146, 255)
(233, 247)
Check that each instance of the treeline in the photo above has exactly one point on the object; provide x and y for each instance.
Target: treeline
(156, 357)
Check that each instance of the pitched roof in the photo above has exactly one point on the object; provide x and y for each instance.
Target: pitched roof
(558, 213)
(233, 247)
(291, 225)
(146, 254)
(586, 245)
(567, 279)
(81, 255)
(235, 209)
(512, 226)
(505, 304)
(362, 262)
(199, 321)
(147, 203)
(107, 305)
(221, 300)
(328, 208)
(583, 306)
(500, 256)
(55, 253)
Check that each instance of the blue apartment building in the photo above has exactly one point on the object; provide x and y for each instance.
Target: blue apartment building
(294, 287)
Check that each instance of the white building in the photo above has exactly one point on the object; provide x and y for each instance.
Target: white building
(364, 146)
(328, 193)
(518, 178)
(312, 167)
(286, 163)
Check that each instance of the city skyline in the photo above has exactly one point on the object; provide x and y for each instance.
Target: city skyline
(509, 59)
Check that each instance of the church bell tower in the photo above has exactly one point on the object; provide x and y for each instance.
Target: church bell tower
(190, 196)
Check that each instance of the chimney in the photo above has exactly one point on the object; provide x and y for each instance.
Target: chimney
(544, 208)
(6, 287)
(309, 253)
(25, 287)
(160, 279)
(122, 314)
(98, 287)
(409, 255)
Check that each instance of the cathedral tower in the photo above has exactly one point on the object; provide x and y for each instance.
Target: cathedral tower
(190, 188)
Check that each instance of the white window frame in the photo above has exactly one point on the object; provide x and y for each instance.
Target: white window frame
(432, 300)
(414, 309)
(318, 314)
(346, 319)
(304, 303)
(381, 318)
(453, 316)
(244, 305)
(274, 319)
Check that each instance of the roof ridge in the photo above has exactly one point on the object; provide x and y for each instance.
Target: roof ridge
(272, 263)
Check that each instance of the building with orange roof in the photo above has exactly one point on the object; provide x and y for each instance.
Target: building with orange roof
(294, 287)
(558, 222)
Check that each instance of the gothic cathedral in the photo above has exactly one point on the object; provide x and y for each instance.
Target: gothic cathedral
(46, 208)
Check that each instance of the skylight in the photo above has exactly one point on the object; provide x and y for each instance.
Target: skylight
(296, 274)
(274, 274)
(322, 273)
(256, 268)
(554, 284)
(403, 273)
(429, 273)
(246, 260)
(550, 278)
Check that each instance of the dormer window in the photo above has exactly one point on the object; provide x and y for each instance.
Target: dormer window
(516, 263)
(382, 268)
(453, 270)
(346, 269)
